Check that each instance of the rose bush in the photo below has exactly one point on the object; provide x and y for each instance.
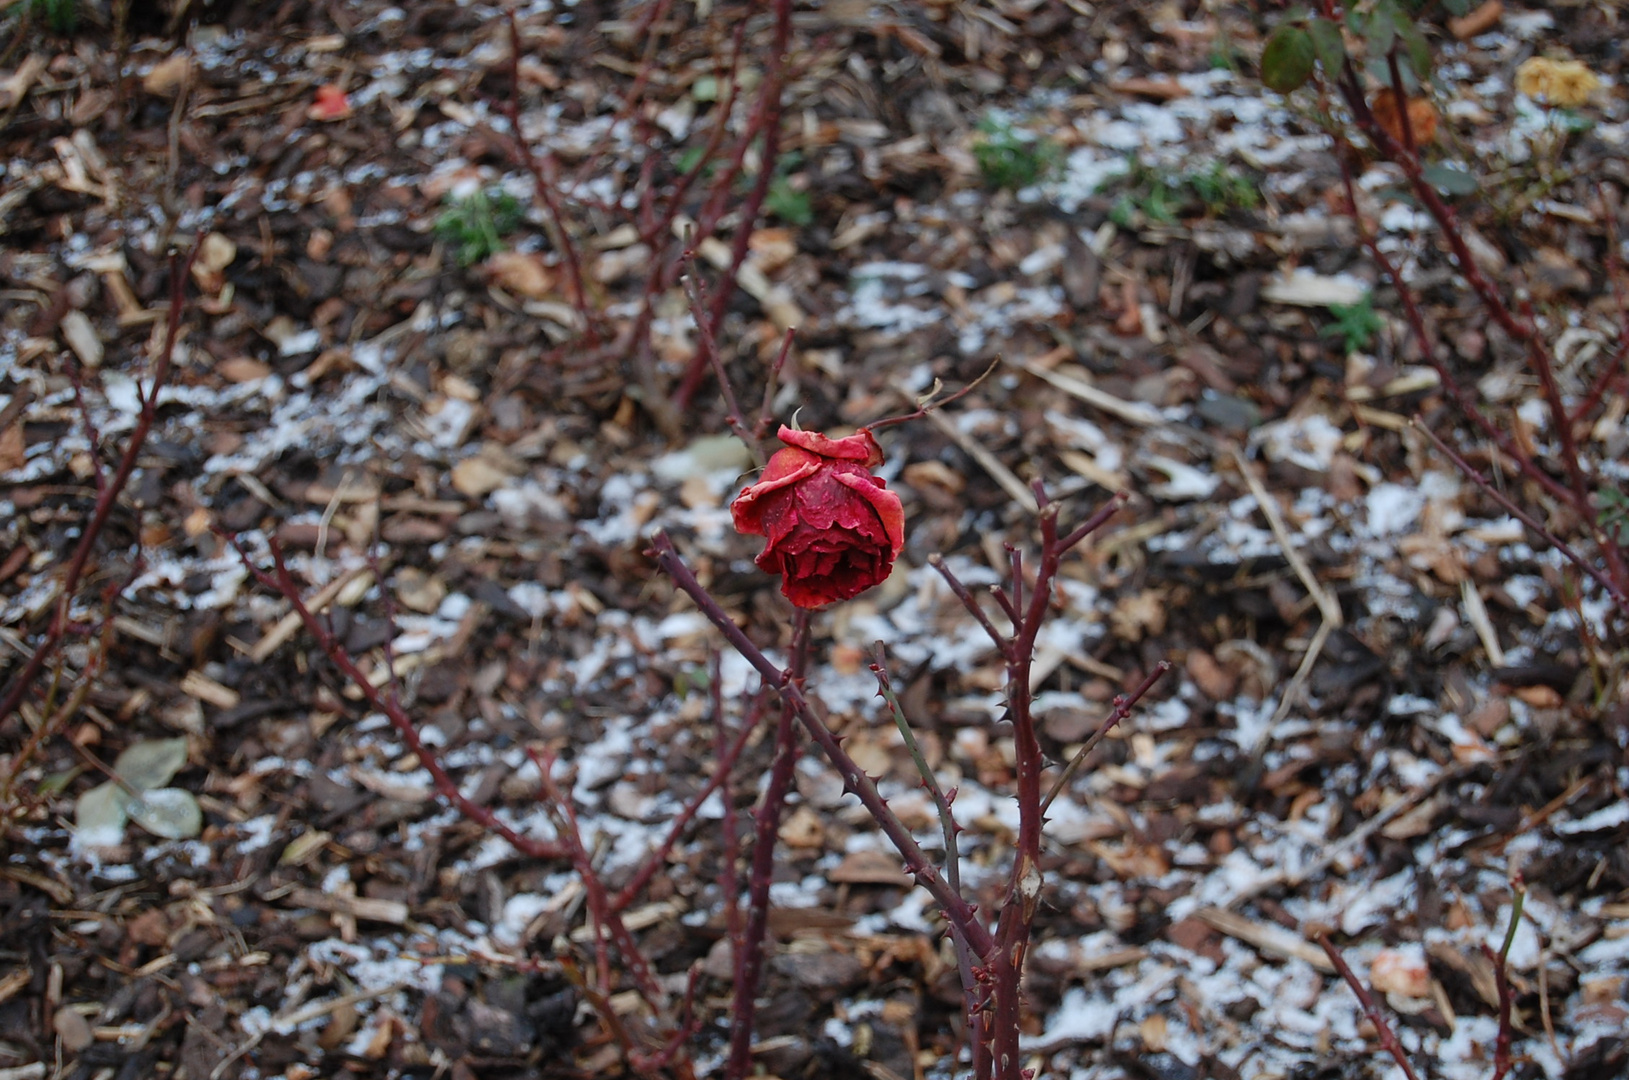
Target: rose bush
(833, 529)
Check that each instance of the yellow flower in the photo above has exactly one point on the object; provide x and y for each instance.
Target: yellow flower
(1566, 83)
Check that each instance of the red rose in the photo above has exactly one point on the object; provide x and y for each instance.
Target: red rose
(834, 530)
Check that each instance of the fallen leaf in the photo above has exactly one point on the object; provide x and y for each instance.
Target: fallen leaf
(168, 75)
(1401, 971)
(521, 273)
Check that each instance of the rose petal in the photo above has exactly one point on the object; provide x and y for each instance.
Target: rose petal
(860, 446)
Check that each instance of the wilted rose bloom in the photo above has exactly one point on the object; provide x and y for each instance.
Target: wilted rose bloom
(1564, 83)
(833, 529)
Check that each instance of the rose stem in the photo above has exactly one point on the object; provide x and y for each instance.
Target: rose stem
(106, 499)
(961, 915)
(282, 582)
(749, 947)
(1383, 1032)
(947, 820)
(607, 923)
(1123, 704)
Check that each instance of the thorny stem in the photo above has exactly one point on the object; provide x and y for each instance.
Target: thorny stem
(749, 947)
(107, 498)
(1533, 524)
(1502, 1060)
(543, 182)
(1123, 704)
(947, 819)
(1385, 1035)
(1017, 919)
(1416, 321)
(282, 582)
(959, 912)
(1577, 492)
(607, 921)
(767, 121)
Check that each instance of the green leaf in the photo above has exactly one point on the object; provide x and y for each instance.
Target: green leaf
(1450, 179)
(1381, 30)
(790, 204)
(1457, 8)
(99, 815)
(1286, 62)
(151, 763)
(1329, 45)
(1419, 50)
(168, 812)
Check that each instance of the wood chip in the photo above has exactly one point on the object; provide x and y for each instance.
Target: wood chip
(1130, 411)
(81, 337)
(357, 907)
(205, 689)
(1269, 938)
(168, 76)
(288, 624)
(15, 87)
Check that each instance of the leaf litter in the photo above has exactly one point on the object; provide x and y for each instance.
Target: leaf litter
(384, 367)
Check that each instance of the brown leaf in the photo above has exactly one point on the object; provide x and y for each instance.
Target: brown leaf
(1422, 117)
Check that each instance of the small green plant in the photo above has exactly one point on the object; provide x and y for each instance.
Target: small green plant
(1151, 196)
(789, 203)
(1614, 511)
(1222, 189)
(474, 226)
(1356, 325)
(1011, 158)
(60, 15)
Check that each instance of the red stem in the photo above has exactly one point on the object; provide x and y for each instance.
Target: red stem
(728, 754)
(960, 914)
(749, 947)
(606, 920)
(108, 496)
(543, 182)
(1383, 1032)
(282, 583)
(768, 121)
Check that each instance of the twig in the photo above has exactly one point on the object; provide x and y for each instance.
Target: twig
(543, 183)
(607, 922)
(749, 946)
(1502, 1060)
(1383, 1032)
(960, 914)
(1123, 704)
(1329, 609)
(941, 803)
(1617, 592)
(708, 347)
(106, 500)
(282, 582)
(1009, 482)
(1002, 642)
(728, 753)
